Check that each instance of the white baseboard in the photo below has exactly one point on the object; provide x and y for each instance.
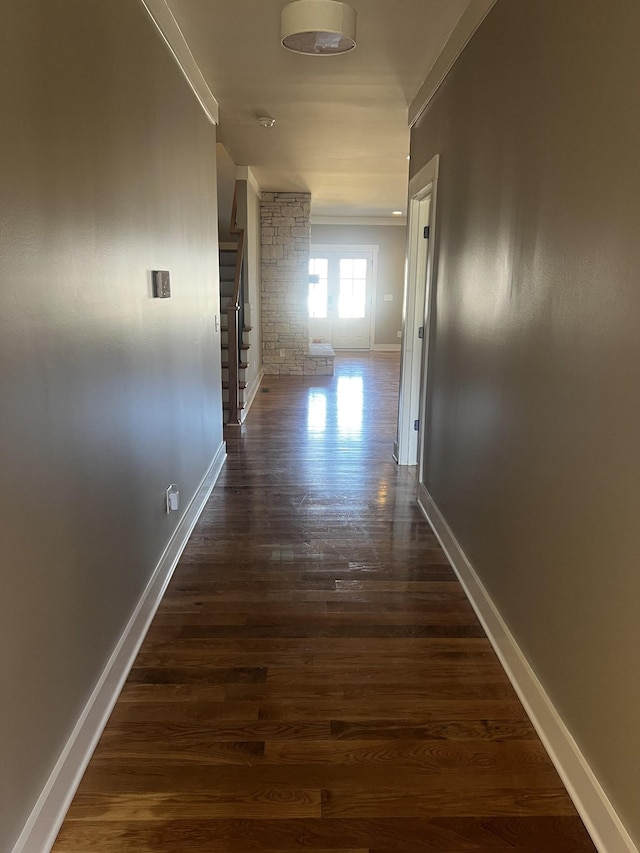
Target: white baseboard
(253, 390)
(386, 348)
(595, 809)
(46, 818)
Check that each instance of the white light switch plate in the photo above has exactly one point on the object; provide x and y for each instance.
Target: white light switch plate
(161, 284)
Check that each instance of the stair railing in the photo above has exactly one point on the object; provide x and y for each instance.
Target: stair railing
(234, 329)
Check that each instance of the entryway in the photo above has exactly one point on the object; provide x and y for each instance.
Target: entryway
(341, 283)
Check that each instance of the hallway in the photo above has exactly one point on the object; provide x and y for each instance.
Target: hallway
(315, 678)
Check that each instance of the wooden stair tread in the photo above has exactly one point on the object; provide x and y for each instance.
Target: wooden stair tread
(233, 349)
(224, 327)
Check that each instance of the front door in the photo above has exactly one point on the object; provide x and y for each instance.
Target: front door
(340, 288)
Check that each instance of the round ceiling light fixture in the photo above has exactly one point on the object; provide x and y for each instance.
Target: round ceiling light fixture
(318, 27)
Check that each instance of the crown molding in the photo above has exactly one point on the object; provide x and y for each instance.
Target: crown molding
(167, 26)
(472, 17)
(358, 220)
(244, 173)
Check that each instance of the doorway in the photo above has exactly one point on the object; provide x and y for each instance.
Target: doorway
(341, 284)
(412, 409)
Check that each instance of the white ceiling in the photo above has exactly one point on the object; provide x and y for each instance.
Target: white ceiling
(341, 121)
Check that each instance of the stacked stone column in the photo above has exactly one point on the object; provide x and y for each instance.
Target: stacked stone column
(286, 236)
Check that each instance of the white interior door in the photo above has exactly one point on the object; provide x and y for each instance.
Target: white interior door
(340, 290)
(417, 316)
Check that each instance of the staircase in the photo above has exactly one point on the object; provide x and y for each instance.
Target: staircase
(234, 332)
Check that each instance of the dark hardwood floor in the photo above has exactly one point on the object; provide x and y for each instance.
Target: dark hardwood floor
(315, 678)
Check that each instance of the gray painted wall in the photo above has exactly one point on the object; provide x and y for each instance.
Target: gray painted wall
(391, 240)
(226, 175)
(108, 396)
(532, 450)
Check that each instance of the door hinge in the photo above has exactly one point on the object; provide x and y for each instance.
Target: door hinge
(421, 332)
(427, 231)
(416, 425)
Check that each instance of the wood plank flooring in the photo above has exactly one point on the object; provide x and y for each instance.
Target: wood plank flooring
(315, 678)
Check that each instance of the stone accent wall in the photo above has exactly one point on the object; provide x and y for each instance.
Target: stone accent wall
(285, 241)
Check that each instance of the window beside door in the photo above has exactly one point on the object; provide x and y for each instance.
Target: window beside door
(318, 274)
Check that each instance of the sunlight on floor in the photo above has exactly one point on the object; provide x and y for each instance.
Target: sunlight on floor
(350, 402)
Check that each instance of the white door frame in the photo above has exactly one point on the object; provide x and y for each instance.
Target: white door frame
(318, 248)
(419, 286)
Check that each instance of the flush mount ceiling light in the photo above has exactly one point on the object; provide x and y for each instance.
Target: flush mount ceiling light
(318, 27)
(266, 121)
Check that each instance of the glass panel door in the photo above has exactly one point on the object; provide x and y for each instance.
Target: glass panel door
(340, 285)
(352, 289)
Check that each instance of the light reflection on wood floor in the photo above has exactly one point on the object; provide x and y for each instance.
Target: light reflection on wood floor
(315, 678)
